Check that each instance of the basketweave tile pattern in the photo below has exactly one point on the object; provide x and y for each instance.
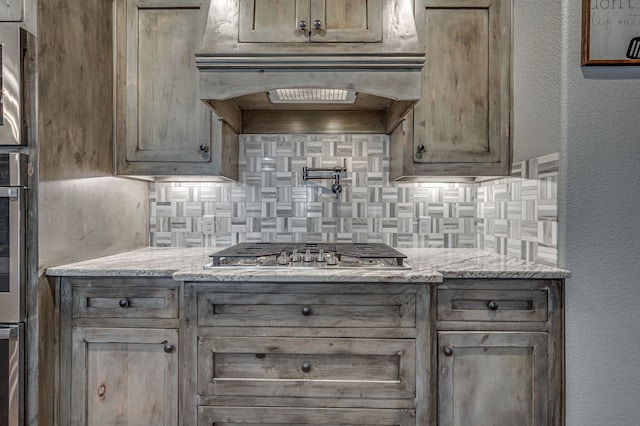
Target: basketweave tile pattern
(518, 215)
(271, 202)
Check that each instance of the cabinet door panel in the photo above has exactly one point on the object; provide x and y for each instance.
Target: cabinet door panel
(124, 377)
(464, 113)
(166, 120)
(268, 416)
(273, 21)
(351, 368)
(492, 379)
(347, 20)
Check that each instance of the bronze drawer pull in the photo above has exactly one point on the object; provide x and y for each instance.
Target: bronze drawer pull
(168, 348)
(448, 351)
(306, 311)
(306, 367)
(124, 303)
(493, 305)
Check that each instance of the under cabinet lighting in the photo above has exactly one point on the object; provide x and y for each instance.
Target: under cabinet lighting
(312, 96)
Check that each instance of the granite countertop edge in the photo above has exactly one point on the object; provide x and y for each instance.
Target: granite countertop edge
(428, 265)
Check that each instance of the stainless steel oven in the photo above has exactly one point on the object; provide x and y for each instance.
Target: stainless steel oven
(11, 374)
(12, 237)
(12, 51)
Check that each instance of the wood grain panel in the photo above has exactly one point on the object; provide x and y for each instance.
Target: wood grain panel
(327, 310)
(124, 377)
(365, 368)
(492, 379)
(473, 305)
(347, 21)
(281, 416)
(273, 21)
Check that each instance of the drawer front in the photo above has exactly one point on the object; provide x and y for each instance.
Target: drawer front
(298, 367)
(275, 416)
(307, 310)
(125, 302)
(492, 305)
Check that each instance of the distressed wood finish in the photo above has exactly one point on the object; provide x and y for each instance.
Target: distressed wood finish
(115, 367)
(353, 21)
(273, 21)
(276, 21)
(351, 368)
(124, 377)
(270, 416)
(474, 305)
(326, 310)
(464, 117)
(247, 343)
(503, 370)
(110, 302)
(164, 127)
(492, 379)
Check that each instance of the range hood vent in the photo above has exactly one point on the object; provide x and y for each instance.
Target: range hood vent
(272, 74)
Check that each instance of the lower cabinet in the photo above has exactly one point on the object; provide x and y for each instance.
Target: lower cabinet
(124, 376)
(304, 354)
(478, 352)
(119, 350)
(492, 378)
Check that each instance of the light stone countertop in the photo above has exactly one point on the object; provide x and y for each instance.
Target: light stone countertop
(428, 265)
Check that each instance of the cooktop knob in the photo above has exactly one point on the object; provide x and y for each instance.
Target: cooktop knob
(320, 255)
(283, 259)
(295, 256)
(308, 257)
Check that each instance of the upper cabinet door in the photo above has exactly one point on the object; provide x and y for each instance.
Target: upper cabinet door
(273, 21)
(464, 115)
(165, 120)
(301, 21)
(346, 21)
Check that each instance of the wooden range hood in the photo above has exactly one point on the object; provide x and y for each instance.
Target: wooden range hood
(238, 70)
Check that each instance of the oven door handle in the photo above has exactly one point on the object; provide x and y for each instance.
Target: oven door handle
(8, 333)
(9, 192)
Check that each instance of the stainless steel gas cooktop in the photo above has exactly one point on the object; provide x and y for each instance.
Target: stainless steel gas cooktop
(309, 255)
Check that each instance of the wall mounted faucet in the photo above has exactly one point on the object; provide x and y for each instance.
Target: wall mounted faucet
(334, 173)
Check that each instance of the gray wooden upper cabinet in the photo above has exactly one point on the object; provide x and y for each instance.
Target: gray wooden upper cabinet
(302, 21)
(462, 124)
(12, 11)
(163, 126)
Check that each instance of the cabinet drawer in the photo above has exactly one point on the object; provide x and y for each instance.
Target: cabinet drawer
(298, 367)
(272, 416)
(125, 302)
(492, 305)
(307, 310)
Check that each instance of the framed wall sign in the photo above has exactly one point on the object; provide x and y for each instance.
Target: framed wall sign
(610, 32)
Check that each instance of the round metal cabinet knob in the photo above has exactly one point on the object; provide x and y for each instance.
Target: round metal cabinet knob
(306, 367)
(419, 151)
(204, 148)
(302, 25)
(123, 303)
(306, 311)
(168, 348)
(493, 305)
(317, 24)
(447, 351)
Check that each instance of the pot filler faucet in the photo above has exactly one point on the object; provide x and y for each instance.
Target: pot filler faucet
(334, 173)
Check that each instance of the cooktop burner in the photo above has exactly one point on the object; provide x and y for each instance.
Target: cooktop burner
(310, 255)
